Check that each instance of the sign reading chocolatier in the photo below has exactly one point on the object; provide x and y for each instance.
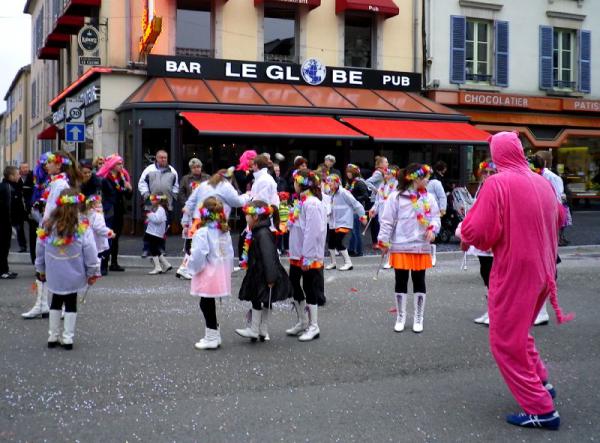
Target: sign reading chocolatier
(312, 72)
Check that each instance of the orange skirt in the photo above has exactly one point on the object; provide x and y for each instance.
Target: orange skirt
(412, 262)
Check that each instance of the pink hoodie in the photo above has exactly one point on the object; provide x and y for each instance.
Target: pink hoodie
(109, 163)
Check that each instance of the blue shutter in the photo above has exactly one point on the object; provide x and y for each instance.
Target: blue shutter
(458, 36)
(546, 57)
(585, 61)
(501, 41)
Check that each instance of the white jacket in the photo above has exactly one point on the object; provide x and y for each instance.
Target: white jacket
(556, 182)
(210, 246)
(400, 227)
(383, 193)
(307, 234)
(224, 191)
(98, 226)
(264, 188)
(56, 187)
(343, 208)
(436, 188)
(157, 222)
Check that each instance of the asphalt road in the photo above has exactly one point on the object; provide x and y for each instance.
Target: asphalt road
(134, 374)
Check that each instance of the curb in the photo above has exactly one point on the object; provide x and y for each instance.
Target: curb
(135, 261)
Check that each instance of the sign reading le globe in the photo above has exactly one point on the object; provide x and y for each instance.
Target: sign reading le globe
(313, 71)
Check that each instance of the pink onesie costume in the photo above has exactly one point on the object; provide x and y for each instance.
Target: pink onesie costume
(516, 215)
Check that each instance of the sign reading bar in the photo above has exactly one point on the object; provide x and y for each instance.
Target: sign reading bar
(311, 72)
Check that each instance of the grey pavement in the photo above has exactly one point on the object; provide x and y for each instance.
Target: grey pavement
(134, 374)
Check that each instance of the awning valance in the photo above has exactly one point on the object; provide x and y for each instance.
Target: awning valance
(384, 130)
(310, 3)
(48, 134)
(264, 125)
(386, 8)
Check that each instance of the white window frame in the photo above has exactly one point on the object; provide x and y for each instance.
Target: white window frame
(557, 71)
(475, 42)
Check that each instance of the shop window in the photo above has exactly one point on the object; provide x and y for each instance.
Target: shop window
(579, 163)
(195, 29)
(563, 61)
(280, 35)
(359, 41)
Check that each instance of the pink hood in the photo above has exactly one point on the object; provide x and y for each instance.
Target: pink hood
(109, 163)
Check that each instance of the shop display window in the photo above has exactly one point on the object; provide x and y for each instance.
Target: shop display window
(578, 161)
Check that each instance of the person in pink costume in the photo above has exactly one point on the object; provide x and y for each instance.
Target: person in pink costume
(517, 216)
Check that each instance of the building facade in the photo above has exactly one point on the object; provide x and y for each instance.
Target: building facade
(511, 65)
(16, 136)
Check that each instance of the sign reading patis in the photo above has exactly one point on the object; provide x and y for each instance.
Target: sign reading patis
(311, 72)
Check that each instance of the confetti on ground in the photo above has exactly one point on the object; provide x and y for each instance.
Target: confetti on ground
(353, 290)
(393, 310)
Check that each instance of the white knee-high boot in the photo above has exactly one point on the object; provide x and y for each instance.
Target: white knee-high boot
(40, 309)
(69, 330)
(211, 340)
(302, 319)
(263, 328)
(182, 271)
(164, 264)
(251, 331)
(419, 312)
(433, 254)
(312, 331)
(347, 262)
(400, 311)
(54, 328)
(333, 264)
(157, 268)
(542, 318)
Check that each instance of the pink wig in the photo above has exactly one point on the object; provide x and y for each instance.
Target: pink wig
(245, 160)
(109, 163)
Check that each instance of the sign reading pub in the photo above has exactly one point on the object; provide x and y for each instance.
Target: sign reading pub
(311, 72)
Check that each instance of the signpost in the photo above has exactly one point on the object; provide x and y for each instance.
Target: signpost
(75, 132)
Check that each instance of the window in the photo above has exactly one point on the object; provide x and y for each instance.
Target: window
(38, 32)
(33, 99)
(20, 124)
(194, 34)
(359, 32)
(478, 51)
(563, 61)
(280, 35)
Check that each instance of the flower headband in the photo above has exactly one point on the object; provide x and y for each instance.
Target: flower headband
(207, 214)
(487, 165)
(157, 198)
(334, 178)
(255, 210)
(228, 172)
(93, 198)
(57, 158)
(67, 200)
(309, 180)
(423, 172)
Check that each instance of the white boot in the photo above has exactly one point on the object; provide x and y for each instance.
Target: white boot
(53, 328)
(483, 320)
(542, 318)
(164, 264)
(263, 328)
(400, 311)
(211, 340)
(302, 319)
(313, 328)
(157, 268)
(433, 256)
(183, 272)
(40, 308)
(386, 262)
(253, 330)
(419, 312)
(69, 330)
(332, 264)
(347, 262)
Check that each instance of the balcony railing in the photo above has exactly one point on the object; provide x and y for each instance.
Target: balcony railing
(282, 58)
(195, 52)
(479, 78)
(562, 84)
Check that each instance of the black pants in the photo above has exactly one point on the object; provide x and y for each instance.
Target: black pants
(209, 310)
(21, 240)
(339, 240)
(313, 285)
(485, 267)
(187, 247)
(116, 224)
(33, 225)
(375, 229)
(69, 300)
(418, 280)
(5, 237)
(154, 244)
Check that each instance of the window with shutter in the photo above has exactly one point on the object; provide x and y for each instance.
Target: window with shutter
(458, 25)
(585, 62)
(546, 56)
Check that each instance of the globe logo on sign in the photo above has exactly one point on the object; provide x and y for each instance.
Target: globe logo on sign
(313, 71)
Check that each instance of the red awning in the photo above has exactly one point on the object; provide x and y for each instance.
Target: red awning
(418, 131)
(386, 8)
(269, 125)
(48, 134)
(312, 4)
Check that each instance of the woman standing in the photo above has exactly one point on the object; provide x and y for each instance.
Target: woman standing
(357, 186)
(90, 183)
(191, 181)
(116, 186)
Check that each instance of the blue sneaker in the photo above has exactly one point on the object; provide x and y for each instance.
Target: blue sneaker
(550, 388)
(549, 421)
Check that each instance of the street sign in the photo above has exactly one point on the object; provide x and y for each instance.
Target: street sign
(90, 61)
(75, 132)
(75, 111)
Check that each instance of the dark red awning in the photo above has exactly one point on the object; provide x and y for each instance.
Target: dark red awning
(386, 8)
(270, 125)
(418, 131)
(312, 4)
(48, 134)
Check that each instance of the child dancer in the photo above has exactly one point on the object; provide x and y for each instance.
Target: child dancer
(409, 223)
(156, 225)
(266, 281)
(389, 185)
(284, 216)
(211, 264)
(308, 229)
(67, 261)
(94, 213)
(343, 208)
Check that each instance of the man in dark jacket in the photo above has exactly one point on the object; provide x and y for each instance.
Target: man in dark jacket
(27, 185)
(10, 175)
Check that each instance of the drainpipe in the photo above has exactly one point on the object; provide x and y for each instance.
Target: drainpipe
(415, 33)
(128, 41)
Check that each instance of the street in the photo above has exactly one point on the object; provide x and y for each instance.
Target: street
(134, 374)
